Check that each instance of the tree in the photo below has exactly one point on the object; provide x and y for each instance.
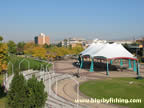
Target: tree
(77, 49)
(26, 94)
(65, 42)
(11, 47)
(3, 56)
(39, 52)
(17, 95)
(20, 47)
(37, 96)
(59, 44)
(1, 38)
(46, 45)
(28, 48)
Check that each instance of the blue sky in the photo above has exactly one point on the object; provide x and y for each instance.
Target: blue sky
(21, 20)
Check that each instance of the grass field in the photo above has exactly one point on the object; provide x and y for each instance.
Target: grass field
(126, 88)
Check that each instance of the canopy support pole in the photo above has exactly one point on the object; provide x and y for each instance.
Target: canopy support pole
(121, 62)
(130, 66)
(82, 60)
(79, 59)
(138, 72)
(111, 61)
(91, 67)
(134, 66)
(107, 71)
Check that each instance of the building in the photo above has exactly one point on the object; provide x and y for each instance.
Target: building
(73, 42)
(65, 43)
(140, 41)
(122, 41)
(42, 39)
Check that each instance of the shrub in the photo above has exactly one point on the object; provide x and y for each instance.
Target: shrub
(37, 96)
(26, 94)
(16, 94)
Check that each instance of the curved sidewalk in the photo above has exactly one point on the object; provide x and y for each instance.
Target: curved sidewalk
(67, 89)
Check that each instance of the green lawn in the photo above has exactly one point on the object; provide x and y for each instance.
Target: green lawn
(34, 64)
(115, 88)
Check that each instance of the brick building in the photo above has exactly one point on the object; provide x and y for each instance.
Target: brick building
(42, 39)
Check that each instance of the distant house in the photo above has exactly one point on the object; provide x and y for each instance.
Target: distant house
(42, 39)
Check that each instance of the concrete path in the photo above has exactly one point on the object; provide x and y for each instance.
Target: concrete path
(53, 99)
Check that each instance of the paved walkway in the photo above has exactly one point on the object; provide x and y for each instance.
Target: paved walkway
(55, 101)
(67, 89)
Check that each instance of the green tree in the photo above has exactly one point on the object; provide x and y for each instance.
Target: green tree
(26, 94)
(65, 42)
(17, 93)
(46, 46)
(59, 44)
(1, 38)
(20, 47)
(76, 50)
(11, 47)
(36, 95)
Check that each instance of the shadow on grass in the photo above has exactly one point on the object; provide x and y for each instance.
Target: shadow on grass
(2, 91)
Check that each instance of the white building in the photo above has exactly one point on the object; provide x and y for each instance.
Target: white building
(73, 42)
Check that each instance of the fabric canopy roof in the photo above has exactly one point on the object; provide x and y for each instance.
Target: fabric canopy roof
(108, 51)
(92, 49)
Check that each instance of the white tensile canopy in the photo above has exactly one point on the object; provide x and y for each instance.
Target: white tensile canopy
(93, 49)
(108, 51)
(103, 50)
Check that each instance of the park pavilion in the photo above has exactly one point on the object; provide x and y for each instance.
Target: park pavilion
(109, 52)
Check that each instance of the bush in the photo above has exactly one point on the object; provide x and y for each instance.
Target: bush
(26, 94)
(17, 93)
(36, 97)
